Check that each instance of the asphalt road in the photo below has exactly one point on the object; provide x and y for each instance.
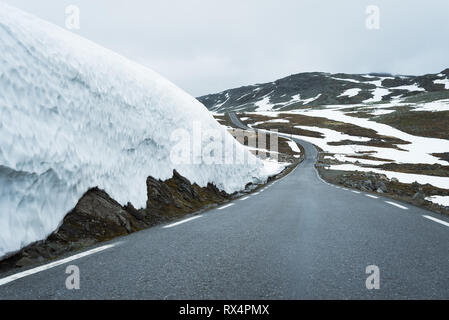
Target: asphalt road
(300, 238)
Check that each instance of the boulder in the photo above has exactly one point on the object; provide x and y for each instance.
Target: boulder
(368, 185)
(419, 197)
(380, 185)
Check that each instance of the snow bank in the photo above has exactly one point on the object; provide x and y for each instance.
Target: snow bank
(75, 115)
(411, 88)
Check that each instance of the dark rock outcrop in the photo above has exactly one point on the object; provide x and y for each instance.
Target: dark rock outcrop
(178, 196)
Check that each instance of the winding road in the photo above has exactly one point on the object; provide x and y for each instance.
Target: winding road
(298, 238)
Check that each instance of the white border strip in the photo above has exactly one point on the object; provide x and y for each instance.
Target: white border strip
(444, 223)
(396, 205)
(226, 206)
(181, 222)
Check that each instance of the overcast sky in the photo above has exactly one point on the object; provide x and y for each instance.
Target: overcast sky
(206, 46)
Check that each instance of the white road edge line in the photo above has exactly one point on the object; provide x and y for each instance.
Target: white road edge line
(358, 192)
(244, 198)
(54, 264)
(396, 205)
(371, 196)
(181, 222)
(226, 206)
(444, 223)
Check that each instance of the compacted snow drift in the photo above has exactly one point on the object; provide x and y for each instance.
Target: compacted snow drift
(75, 115)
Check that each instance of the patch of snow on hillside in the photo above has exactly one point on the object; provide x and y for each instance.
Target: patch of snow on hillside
(443, 81)
(433, 106)
(220, 104)
(332, 135)
(245, 95)
(411, 88)
(278, 121)
(351, 93)
(380, 112)
(378, 94)
(441, 200)
(256, 124)
(307, 101)
(264, 104)
(297, 99)
(377, 83)
(347, 80)
(419, 149)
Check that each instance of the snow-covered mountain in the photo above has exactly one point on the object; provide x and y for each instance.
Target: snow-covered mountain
(319, 88)
(74, 115)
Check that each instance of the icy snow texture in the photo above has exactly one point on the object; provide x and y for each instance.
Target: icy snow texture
(74, 116)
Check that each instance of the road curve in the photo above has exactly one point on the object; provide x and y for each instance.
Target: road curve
(300, 238)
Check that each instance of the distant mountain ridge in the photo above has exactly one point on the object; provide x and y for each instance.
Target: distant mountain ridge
(319, 88)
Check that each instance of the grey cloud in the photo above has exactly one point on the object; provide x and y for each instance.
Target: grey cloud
(208, 46)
